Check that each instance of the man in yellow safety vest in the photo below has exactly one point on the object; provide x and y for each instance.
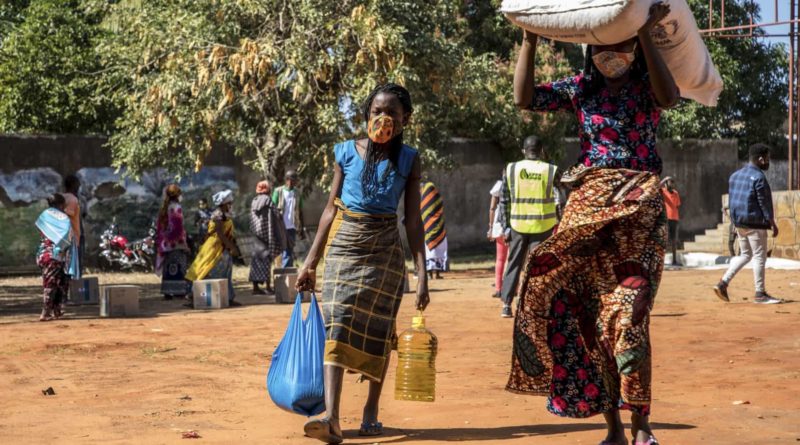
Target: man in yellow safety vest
(530, 205)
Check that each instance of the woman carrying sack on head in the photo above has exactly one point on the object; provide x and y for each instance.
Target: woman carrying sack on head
(364, 262)
(172, 250)
(215, 258)
(581, 335)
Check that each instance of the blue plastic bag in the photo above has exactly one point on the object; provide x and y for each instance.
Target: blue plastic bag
(294, 381)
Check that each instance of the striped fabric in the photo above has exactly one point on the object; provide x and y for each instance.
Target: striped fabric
(432, 210)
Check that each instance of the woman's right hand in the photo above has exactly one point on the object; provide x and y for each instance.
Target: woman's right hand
(306, 280)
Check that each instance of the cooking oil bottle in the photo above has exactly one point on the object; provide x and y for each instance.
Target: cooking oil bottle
(416, 363)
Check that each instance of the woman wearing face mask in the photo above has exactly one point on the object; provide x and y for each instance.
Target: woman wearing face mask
(364, 262)
(172, 251)
(582, 330)
(215, 258)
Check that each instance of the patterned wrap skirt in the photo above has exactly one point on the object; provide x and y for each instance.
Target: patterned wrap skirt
(56, 285)
(581, 334)
(361, 292)
(260, 263)
(173, 273)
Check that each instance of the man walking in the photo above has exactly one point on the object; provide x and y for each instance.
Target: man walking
(672, 202)
(750, 206)
(529, 202)
(290, 206)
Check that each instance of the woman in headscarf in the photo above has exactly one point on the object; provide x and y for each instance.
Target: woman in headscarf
(269, 234)
(172, 250)
(582, 333)
(53, 256)
(215, 258)
(364, 263)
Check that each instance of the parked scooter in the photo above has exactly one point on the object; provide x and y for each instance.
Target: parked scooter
(116, 253)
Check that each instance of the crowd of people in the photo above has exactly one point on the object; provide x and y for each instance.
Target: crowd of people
(583, 249)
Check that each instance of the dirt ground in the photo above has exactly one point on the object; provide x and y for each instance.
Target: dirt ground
(147, 380)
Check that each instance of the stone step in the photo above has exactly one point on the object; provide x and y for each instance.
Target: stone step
(709, 239)
(710, 247)
(717, 231)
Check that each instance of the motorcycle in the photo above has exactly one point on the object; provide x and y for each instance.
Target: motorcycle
(116, 253)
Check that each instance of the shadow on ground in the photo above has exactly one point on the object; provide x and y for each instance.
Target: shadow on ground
(495, 433)
(21, 304)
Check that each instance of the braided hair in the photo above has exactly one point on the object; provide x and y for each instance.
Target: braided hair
(369, 181)
(596, 79)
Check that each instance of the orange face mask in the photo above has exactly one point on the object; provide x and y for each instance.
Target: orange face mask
(381, 129)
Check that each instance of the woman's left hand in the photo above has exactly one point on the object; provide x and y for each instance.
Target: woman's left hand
(658, 12)
(423, 298)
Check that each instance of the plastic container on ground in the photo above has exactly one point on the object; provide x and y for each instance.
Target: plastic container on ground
(416, 364)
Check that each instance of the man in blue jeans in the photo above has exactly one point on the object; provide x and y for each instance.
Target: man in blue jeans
(750, 207)
(290, 205)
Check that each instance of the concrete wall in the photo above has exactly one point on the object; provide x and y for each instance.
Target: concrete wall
(701, 169)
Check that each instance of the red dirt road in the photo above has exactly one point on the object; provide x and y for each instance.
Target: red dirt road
(146, 380)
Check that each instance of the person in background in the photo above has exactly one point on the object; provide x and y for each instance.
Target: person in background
(201, 220)
(215, 258)
(672, 203)
(52, 257)
(72, 186)
(290, 205)
(432, 210)
(530, 211)
(582, 330)
(751, 212)
(364, 262)
(269, 237)
(495, 234)
(172, 250)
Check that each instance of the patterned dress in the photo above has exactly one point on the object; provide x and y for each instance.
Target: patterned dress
(172, 256)
(615, 131)
(54, 276)
(581, 334)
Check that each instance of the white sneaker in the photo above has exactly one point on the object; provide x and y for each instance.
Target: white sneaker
(766, 298)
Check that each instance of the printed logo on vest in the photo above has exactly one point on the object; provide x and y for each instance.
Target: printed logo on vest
(525, 174)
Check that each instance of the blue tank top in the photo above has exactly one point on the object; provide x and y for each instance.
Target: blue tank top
(389, 191)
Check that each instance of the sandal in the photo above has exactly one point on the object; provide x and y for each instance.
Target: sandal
(371, 429)
(651, 441)
(321, 430)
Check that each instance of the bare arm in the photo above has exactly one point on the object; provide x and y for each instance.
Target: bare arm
(524, 72)
(492, 209)
(226, 242)
(414, 233)
(664, 88)
(307, 278)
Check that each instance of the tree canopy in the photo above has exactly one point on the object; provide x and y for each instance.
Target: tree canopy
(753, 106)
(281, 81)
(49, 69)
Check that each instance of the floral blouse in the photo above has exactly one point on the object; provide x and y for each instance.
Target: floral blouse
(615, 131)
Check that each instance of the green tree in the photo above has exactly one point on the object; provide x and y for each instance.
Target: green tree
(49, 69)
(281, 81)
(752, 107)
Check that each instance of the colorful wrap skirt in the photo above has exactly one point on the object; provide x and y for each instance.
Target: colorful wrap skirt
(581, 334)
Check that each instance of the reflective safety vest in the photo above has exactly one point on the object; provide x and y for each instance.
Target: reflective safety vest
(533, 204)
